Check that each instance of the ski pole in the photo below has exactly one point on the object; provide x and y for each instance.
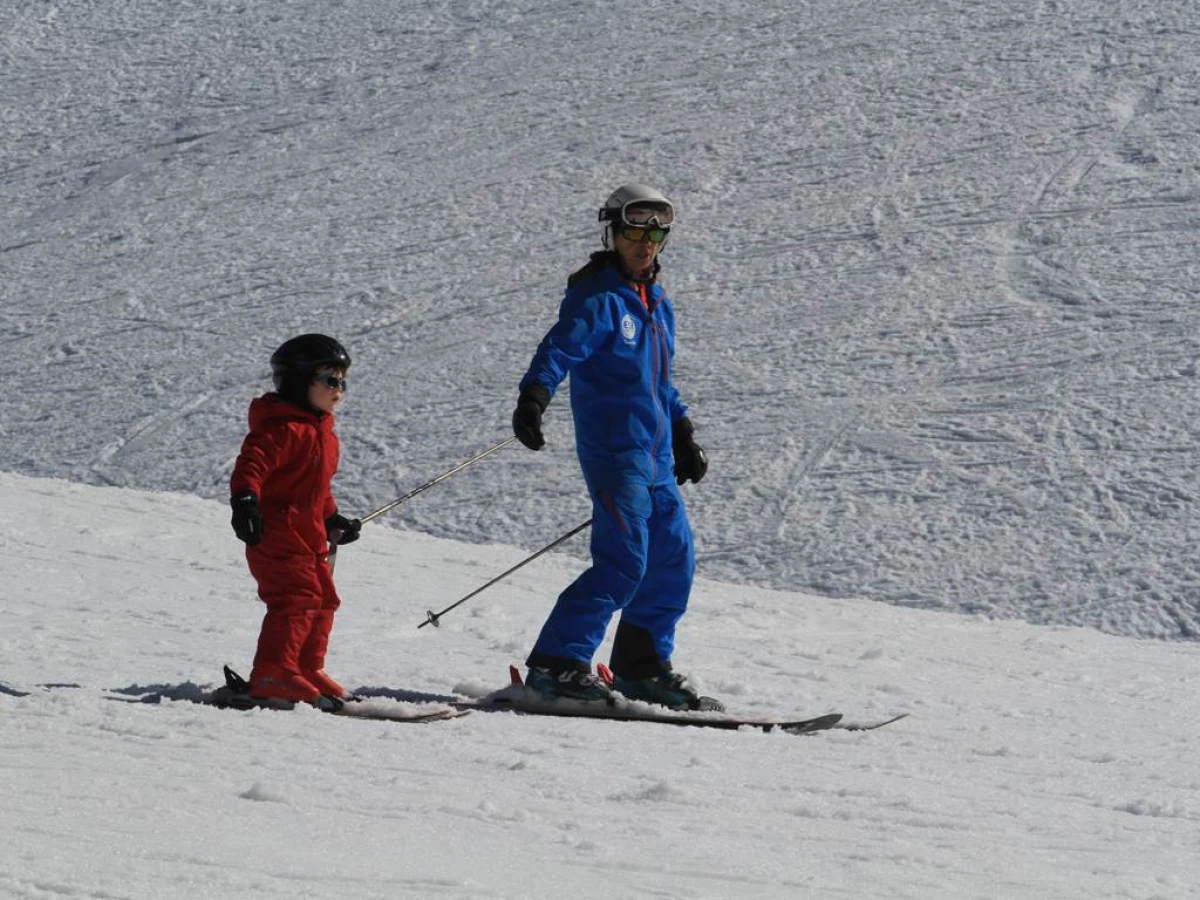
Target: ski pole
(432, 618)
(388, 507)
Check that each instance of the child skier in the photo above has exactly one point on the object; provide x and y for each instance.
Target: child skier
(283, 510)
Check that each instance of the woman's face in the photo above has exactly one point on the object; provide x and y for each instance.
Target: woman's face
(637, 257)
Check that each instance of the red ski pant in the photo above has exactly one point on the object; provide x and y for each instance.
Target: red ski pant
(301, 602)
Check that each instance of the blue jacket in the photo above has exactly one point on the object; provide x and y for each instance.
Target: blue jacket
(618, 353)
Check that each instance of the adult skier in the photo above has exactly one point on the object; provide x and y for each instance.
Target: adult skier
(615, 337)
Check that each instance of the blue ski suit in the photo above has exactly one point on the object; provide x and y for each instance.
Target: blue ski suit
(616, 341)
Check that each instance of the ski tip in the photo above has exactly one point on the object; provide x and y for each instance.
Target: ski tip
(871, 726)
(514, 676)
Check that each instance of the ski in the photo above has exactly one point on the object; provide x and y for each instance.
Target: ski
(7, 690)
(235, 694)
(374, 709)
(519, 699)
(516, 698)
(525, 702)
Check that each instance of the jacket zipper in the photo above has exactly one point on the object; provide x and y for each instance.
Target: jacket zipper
(656, 375)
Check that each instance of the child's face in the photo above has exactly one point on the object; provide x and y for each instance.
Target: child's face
(327, 388)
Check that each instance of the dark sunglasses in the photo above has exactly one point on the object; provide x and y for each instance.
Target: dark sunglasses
(653, 235)
(331, 381)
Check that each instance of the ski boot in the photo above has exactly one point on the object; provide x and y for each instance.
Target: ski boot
(573, 684)
(669, 689)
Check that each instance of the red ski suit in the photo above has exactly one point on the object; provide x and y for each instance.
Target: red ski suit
(288, 461)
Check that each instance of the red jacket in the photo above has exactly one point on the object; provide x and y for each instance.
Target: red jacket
(288, 461)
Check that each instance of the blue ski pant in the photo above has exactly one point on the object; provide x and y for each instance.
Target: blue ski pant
(643, 563)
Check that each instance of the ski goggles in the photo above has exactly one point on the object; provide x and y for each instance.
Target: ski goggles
(639, 233)
(331, 381)
(642, 213)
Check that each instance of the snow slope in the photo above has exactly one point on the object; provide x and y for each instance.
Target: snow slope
(936, 272)
(1037, 761)
(936, 281)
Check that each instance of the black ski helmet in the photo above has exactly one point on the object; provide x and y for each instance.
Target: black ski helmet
(293, 364)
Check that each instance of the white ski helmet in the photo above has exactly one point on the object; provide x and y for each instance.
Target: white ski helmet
(635, 204)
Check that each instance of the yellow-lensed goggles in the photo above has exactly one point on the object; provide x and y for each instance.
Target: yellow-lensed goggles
(638, 233)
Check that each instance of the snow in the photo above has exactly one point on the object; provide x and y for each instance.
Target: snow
(936, 283)
(1036, 762)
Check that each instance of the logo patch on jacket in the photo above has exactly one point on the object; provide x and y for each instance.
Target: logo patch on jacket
(628, 328)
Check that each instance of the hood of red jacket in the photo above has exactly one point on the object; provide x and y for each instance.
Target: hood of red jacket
(271, 407)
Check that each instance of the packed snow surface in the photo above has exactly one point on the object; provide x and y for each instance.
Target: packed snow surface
(1036, 761)
(936, 276)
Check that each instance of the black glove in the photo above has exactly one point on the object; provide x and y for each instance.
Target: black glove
(527, 417)
(691, 462)
(247, 519)
(341, 530)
